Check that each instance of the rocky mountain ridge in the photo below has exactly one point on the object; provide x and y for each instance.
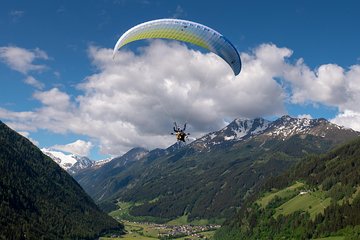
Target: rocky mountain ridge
(282, 128)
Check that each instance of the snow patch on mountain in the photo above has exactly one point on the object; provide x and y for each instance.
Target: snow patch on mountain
(283, 128)
(237, 130)
(65, 161)
(244, 128)
(287, 126)
(100, 163)
(70, 162)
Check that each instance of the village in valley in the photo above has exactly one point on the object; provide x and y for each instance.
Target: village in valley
(184, 230)
(146, 230)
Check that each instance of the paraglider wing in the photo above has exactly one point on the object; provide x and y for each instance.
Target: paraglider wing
(185, 31)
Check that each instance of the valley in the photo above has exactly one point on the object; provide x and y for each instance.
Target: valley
(150, 227)
(187, 120)
(269, 178)
(225, 166)
(148, 231)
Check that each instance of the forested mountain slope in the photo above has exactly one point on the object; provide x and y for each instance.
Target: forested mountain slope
(39, 200)
(317, 198)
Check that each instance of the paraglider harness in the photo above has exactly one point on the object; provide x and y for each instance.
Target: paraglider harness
(180, 133)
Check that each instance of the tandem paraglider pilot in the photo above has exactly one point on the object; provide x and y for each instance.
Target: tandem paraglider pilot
(180, 132)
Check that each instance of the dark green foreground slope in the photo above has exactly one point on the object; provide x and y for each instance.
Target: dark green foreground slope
(38, 200)
(319, 197)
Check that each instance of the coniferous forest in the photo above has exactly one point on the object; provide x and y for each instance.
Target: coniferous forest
(39, 200)
(336, 173)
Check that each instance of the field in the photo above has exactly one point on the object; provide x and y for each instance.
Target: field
(137, 231)
(311, 202)
(122, 213)
(284, 193)
(149, 231)
(331, 238)
(145, 228)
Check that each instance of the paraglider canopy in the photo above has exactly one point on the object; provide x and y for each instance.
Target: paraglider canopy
(185, 31)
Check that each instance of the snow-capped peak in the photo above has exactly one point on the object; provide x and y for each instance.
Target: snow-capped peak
(65, 161)
(243, 128)
(287, 126)
(70, 162)
(237, 130)
(282, 128)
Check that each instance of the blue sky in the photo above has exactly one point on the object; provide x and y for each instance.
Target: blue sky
(61, 88)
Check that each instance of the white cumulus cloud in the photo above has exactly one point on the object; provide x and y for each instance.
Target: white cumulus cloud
(326, 84)
(79, 147)
(22, 60)
(308, 116)
(329, 84)
(33, 82)
(349, 119)
(27, 135)
(134, 99)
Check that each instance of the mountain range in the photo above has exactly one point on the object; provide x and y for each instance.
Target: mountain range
(210, 177)
(239, 129)
(281, 177)
(73, 163)
(39, 200)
